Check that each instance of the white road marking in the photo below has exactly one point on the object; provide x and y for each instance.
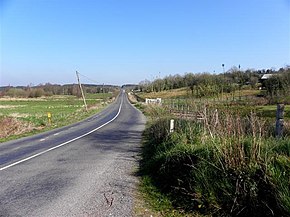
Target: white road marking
(55, 134)
(65, 143)
(43, 139)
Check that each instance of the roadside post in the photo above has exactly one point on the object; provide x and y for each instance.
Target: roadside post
(171, 126)
(279, 120)
(49, 118)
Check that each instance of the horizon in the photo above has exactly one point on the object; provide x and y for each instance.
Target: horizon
(264, 71)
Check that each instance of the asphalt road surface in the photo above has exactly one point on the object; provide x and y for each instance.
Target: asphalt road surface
(85, 169)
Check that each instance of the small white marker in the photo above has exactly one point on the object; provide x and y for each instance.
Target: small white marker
(171, 126)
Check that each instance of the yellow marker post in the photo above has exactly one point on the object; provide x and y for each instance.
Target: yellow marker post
(49, 118)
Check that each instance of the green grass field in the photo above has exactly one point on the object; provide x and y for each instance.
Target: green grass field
(64, 110)
(245, 101)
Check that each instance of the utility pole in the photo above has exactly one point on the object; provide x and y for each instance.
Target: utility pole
(82, 91)
(103, 92)
(223, 65)
(240, 82)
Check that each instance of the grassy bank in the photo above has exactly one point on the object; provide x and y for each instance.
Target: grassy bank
(24, 116)
(222, 165)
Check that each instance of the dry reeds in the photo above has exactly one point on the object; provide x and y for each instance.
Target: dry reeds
(11, 126)
(232, 130)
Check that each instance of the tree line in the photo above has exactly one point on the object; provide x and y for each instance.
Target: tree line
(212, 85)
(53, 89)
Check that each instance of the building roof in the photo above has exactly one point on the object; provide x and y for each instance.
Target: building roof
(266, 76)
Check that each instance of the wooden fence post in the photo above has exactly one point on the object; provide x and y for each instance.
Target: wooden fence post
(279, 120)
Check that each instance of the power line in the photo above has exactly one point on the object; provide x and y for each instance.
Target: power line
(88, 78)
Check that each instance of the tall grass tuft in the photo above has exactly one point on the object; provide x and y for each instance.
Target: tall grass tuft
(221, 164)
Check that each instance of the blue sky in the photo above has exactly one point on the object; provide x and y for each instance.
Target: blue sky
(126, 41)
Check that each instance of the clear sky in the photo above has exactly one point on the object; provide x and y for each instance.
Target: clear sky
(126, 41)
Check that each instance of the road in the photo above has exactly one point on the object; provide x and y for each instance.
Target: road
(85, 169)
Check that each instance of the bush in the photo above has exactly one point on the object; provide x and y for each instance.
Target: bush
(16, 92)
(35, 93)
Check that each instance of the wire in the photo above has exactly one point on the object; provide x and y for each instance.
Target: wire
(88, 78)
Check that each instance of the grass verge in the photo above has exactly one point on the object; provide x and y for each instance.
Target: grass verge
(24, 117)
(221, 165)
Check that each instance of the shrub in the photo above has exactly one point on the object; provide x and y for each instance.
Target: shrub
(16, 92)
(35, 93)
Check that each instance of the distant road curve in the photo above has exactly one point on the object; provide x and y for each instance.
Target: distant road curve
(85, 169)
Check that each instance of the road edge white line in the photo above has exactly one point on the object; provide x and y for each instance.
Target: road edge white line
(65, 143)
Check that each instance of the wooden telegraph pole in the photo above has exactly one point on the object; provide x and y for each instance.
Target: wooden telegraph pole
(82, 91)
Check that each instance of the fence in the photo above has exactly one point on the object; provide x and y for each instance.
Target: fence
(192, 109)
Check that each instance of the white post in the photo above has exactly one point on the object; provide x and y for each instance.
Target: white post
(171, 126)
